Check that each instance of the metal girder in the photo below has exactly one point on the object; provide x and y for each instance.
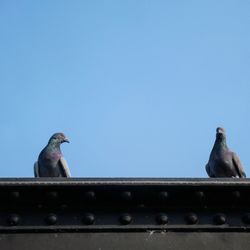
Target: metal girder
(124, 205)
(124, 214)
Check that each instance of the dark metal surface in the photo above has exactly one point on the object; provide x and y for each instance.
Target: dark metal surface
(124, 214)
(126, 241)
(124, 205)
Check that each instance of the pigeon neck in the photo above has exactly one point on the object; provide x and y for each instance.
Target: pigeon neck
(220, 144)
(54, 145)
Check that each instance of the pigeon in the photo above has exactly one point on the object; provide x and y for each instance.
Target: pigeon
(50, 161)
(223, 162)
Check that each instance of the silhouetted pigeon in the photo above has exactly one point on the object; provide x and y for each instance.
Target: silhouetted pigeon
(223, 162)
(50, 161)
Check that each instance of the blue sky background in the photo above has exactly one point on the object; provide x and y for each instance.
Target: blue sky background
(138, 86)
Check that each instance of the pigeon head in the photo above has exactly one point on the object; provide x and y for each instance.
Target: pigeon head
(220, 133)
(58, 138)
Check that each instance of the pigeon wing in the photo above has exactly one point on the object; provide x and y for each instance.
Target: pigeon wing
(36, 172)
(209, 171)
(65, 167)
(238, 166)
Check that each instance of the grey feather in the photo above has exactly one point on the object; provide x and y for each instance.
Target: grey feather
(50, 161)
(36, 172)
(223, 162)
(238, 166)
(65, 167)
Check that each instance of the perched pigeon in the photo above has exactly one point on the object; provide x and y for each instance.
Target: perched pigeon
(223, 162)
(50, 161)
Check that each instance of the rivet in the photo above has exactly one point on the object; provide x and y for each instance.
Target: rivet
(88, 219)
(64, 206)
(14, 195)
(52, 196)
(51, 219)
(191, 218)
(90, 196)
(246, 218)
(126, 195)
(199, 195)
(141, 205)
(236, 195)
(39, 206)
(219, 219)
(163, 195)
(13, 219)
(125, 219)
(162, 218)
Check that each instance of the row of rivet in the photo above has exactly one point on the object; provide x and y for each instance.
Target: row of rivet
(125, 195)
(125, 219)
(89, 195)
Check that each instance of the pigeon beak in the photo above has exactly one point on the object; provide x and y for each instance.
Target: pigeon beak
(66, 140)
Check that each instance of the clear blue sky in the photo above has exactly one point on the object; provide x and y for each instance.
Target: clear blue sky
(138, 86)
